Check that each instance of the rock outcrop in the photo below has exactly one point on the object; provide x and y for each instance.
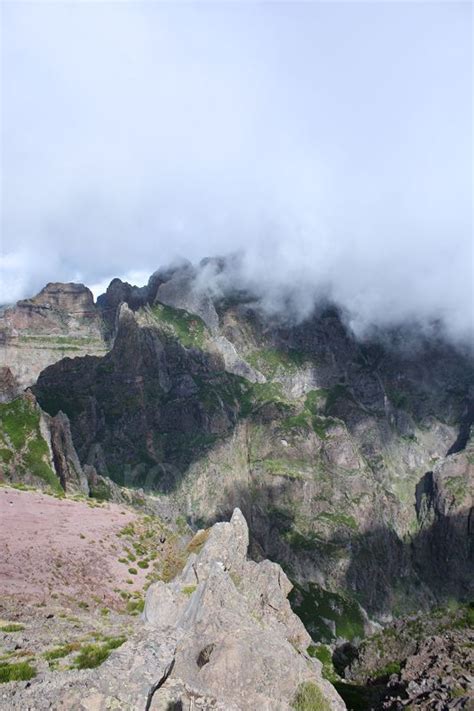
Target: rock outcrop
(9, 386)
(220, 636)
(422, 662)
(66, 462)
(61, 321)
(445, 543)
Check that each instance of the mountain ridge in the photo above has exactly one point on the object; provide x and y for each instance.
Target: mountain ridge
(320, 438)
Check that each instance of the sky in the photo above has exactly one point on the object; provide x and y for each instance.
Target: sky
(329, 143)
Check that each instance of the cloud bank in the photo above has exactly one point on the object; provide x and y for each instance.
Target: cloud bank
(330, 144)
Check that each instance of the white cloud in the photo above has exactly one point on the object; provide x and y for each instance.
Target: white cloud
(331, 143)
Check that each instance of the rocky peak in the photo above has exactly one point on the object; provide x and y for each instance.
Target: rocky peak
(70, 297)
(221, 636)
(62, 320)
(237, 641)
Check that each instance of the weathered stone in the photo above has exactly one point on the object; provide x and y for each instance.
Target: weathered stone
(60, 321)
(66, 462)
(221, 644)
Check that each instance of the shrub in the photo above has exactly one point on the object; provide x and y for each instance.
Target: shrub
(197, 542)
(309, 697)
(61, 651)
(20, 671)
(93, 655)
(135, 606)
(323, 653)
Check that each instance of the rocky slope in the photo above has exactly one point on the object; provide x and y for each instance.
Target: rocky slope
(221, 635)
(336, 450)
(423, 662)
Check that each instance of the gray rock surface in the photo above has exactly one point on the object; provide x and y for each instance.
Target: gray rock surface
(182, 292)
(220, 636)
(237, 640)
(65, 460)
(234, 363)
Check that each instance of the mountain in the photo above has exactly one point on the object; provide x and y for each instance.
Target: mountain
(352, 460)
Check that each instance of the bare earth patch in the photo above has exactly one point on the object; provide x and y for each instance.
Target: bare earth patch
(62, 547)
(73, 574)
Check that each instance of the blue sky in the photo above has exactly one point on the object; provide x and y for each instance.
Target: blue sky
(331, 142)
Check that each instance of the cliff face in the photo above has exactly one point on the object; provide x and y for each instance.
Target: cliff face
(60, 321)
(327, 444)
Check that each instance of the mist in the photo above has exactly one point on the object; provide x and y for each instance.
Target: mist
(329, 145)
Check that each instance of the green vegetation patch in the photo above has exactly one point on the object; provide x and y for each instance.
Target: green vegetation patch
(93, 655)
(12, 627)
(273, 361)
(134, 607)
(18, 419)
(6, 455)
(61, 651)
(339, 519)
(18, 671)
(20, 430)
(251, 397)
(160, 550)
(311, 417)
(309, 697)
(312, 542)
(289, 468)
(189, 329)
(398, 398)
(387, 670)
(197, 542)
(318, 608)
(324, 654)
(101, 490)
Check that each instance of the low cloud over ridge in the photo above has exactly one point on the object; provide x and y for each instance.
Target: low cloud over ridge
(329, 144)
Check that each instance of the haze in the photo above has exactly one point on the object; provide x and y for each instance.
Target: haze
(328, 143)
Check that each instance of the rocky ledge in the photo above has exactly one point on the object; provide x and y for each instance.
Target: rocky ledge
(220, 636)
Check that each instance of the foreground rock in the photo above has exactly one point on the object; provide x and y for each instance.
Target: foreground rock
(219, 636)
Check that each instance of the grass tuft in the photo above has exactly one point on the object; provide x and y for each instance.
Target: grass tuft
(12, 627)
(309, 697)
(93, 655)
(19, 671)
